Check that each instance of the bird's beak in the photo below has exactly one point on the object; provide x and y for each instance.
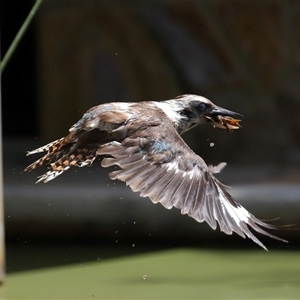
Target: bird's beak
(223, 118)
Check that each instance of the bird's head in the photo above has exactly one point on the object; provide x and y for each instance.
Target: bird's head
(188, 111)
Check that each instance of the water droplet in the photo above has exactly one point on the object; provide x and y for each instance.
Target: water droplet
(117, 231)
(134, 222)
(211, 144)
(98, 258)
(133, 245)
(116, 241)
(145, 277)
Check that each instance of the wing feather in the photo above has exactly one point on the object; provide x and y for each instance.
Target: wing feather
(153, 160)
(162, 167)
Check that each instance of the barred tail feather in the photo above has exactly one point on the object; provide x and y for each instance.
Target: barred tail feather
(56, 150)
(64, 158)
(66, 162)
(46, 147)
(51, 175)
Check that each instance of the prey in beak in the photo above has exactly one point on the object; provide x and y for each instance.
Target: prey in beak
(223, 118)
(143, 140)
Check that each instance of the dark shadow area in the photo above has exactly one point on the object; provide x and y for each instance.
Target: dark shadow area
(19, 107)
(34, 255)
(77, 54)
(29, 255)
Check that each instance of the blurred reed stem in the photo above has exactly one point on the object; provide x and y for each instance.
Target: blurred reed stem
(19, 35)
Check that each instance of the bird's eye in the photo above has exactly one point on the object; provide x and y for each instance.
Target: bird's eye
(202, 107)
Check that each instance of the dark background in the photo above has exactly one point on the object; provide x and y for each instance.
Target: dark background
(19, 78)
(75, 54)
(243, 56)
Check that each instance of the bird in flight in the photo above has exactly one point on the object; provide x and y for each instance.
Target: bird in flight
(144, 140)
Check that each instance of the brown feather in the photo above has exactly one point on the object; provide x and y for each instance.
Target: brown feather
(144, 142)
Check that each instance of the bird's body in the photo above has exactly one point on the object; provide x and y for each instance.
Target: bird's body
(143, 140)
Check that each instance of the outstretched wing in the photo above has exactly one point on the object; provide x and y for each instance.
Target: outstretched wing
(153, 160)
(156, 162)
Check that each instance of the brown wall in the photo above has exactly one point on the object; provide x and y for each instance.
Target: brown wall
(243, 56)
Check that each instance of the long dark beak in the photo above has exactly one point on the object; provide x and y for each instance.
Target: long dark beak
(219, 111)
(223, 118)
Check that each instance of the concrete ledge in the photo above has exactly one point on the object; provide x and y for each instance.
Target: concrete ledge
(83, 202)
(98, 210)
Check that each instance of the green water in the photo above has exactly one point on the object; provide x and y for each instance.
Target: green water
(184, 273)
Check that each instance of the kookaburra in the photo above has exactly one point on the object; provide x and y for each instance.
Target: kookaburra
(144, 140)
